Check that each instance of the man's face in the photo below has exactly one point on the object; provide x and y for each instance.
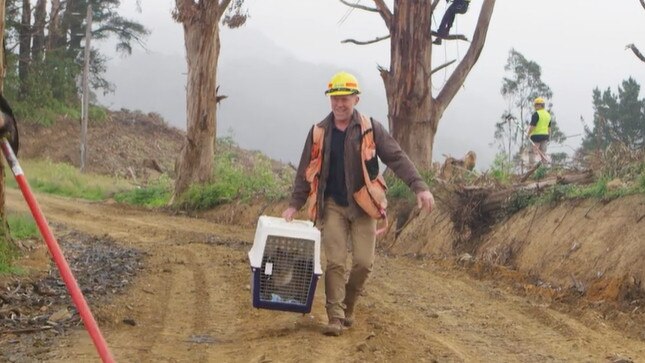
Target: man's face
(343, 106)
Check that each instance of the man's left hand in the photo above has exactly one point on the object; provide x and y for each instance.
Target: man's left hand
(425, 200)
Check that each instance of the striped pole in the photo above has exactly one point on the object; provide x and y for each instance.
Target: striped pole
(65, 272)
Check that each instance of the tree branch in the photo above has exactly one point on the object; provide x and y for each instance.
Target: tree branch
(635, 50)
(385, 12)
(358, 42)
(452, 36)
(458, 77)
(361, 7)
(434, 5)
(442, 66)
(222, 8)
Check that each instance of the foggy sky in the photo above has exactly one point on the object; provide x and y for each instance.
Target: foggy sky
(276, 67)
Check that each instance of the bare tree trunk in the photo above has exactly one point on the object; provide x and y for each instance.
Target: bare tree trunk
(38, 46)
(413, 112)
(408, 84)
(201, 35)
(24, 53)
(54, 35)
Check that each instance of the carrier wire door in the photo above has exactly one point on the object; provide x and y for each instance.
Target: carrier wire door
(285, 264)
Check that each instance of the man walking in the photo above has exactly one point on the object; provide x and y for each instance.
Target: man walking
(337, 163)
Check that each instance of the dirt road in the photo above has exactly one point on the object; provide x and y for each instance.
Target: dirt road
(192, 304)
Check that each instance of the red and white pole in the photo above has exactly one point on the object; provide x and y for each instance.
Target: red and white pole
(65, 272)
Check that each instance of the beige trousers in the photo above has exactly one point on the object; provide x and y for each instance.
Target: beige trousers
(534, 154)
(338, 234)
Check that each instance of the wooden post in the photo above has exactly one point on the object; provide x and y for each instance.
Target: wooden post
(86, 88)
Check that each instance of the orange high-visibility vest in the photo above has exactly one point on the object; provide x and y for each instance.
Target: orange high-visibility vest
(371, 197)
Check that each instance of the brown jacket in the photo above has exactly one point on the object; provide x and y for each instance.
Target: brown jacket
(387, 149)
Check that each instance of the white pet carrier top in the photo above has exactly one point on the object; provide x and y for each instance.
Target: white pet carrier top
(285, 264)
(279, 227)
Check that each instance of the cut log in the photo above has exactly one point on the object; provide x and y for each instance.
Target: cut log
(496, 200)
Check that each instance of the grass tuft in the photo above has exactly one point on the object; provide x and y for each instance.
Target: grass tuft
(66, 180)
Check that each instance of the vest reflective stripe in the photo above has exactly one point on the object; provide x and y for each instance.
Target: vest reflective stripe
(542, 127)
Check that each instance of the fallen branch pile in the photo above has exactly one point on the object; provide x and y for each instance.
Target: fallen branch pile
(474, 209)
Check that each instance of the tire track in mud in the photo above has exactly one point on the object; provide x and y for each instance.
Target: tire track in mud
(173, 292)
(191, 305)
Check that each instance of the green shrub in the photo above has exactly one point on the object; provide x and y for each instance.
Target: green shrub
(540, 173)
(7, 254)
(518, 201)
(22, 226)
(151, 196)
(237, 178)
(558, 193)
(596, 190)
(397, 189)
(501, 170)
(200, 197)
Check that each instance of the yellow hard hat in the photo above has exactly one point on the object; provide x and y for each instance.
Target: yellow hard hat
(538, 101)
(341, 84)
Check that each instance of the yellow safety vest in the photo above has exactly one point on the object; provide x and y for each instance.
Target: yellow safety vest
(542, 127)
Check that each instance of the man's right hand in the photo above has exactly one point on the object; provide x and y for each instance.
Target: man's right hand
(289, 213)
(425, 200)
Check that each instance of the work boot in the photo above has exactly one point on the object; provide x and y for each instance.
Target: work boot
(334, 327)
(437, 41)
(348, 321)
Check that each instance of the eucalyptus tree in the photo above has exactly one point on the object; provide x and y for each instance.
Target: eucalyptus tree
(201, 22)
(414, 109)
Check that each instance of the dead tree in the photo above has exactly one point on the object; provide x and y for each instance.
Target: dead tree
(414, 112)
(200, 20)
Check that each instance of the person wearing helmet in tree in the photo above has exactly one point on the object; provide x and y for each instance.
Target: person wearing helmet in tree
(336, 164)
(457, 7)
(539, 131)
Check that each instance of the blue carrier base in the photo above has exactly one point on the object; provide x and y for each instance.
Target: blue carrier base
(296, 307)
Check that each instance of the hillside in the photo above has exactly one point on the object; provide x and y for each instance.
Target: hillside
(125, 144)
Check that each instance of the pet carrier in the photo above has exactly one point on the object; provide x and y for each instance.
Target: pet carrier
(285, 264)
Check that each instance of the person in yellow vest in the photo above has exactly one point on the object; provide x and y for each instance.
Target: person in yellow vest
(539, 131)
(336, 164)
